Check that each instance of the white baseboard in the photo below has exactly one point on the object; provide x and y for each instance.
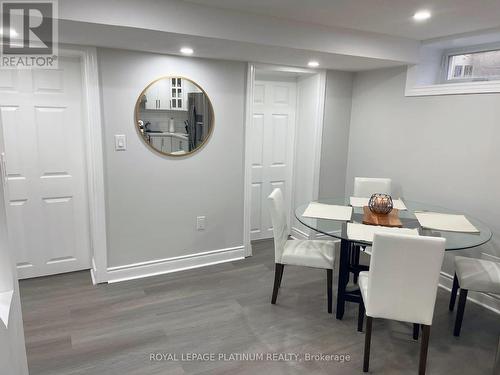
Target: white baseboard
(93, 272)
(97, 276)
(92, 276)
(488, 301)
(169, 265)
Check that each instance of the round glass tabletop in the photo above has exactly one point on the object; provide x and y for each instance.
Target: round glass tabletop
(454, 240)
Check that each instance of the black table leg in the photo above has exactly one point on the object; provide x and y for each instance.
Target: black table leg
(357, 250)
(343, 277)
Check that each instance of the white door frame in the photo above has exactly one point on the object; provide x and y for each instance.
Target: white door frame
(247, 207)
(318, 141)
(93, 156)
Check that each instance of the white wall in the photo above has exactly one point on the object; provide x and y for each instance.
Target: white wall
(443, 150)
(152, 200)
(335, 138)
(12, 349)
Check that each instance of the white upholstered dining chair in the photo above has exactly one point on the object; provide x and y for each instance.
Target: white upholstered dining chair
(308, 253)
(478, 275)
(365, 187)
(401, 285)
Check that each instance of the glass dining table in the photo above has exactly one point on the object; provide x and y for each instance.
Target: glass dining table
(349, 249)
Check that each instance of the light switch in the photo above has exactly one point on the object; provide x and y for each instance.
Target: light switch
(200, 222)
(120, 142)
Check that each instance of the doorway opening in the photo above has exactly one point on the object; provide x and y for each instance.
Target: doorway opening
(283, 144)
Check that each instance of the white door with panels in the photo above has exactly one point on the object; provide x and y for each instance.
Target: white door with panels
(45, 173)
(273, 133)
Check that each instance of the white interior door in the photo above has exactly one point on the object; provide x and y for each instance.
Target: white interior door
(273, 132)
(47, 208)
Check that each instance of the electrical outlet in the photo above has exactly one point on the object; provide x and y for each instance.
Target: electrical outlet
(200, 222)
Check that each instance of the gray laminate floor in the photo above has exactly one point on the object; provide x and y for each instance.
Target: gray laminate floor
(75, 328)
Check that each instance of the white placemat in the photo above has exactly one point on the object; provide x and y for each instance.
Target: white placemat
(362, 232)
(328, 211)
(362, 202)
(445, 222)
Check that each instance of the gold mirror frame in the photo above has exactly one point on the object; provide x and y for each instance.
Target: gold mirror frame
(139, 133)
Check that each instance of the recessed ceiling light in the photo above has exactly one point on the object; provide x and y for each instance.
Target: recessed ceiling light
(187, 51)
(313, 64)
(422, 15)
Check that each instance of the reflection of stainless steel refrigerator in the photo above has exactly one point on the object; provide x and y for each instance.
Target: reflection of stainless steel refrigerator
(198, 118)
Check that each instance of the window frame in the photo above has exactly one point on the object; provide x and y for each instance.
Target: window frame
(450, 53)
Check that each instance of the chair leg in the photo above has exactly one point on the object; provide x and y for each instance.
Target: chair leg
(424, 348)
(454, 290)
(368, 339)
(460, 311)
(329, 280)
(281, 275)
(416, 329)
(361, 315)
(278, 275)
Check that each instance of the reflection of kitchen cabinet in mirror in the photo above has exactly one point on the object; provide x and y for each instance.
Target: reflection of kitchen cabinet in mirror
(174, 116)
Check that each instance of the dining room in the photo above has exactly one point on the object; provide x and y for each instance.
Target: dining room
(404, 168)
(246, 187)
(412, 171)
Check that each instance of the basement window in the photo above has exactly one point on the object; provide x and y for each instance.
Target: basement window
(474, 66)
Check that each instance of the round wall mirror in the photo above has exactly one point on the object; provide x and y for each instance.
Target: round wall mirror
(174, 116)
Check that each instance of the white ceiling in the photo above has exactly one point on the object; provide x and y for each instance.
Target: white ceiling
(167, 25)
(393, 17)
(99, 35)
